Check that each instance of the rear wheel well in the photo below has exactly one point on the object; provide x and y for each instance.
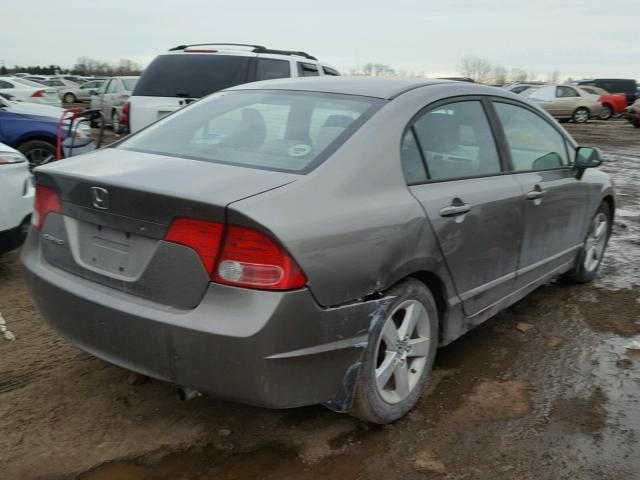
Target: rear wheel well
(42, 138)
(434, 284)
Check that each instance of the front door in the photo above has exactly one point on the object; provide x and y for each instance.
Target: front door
(472, 204)
(554, 201)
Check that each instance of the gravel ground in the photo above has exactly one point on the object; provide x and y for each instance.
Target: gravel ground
(559, 399)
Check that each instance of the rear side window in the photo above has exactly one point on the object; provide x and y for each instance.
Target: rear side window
(563, 91)
(112, 87)
(191, 75)
(534, 144)
(307, 70)
(456, 141)
(269, 68)
(272, 130)
(412, 164)
(4, 84)
(129, 83)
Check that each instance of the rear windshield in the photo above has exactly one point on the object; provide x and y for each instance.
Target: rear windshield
(273, 130)
(191, 75)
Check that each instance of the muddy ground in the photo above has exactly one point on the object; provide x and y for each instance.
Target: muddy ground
(558, 400)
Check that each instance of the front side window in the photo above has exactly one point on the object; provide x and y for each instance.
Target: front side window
(269, 68)
(456, 141)
(272, 130)
(534, 144)
(4, 84)
(330, 71)
(307, 70)
(103, 87)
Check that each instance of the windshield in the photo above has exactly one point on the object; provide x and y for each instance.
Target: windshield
(192, 75)
(273, 130)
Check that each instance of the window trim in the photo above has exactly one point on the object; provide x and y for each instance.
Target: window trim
(485, 104)
(503, 138)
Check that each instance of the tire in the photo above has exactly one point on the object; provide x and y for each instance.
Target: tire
(69, 98)
(581, 115)
(590, 256)
(637, 125)
(607, 112)
(397, 353)
(115, 121)
(38, 152)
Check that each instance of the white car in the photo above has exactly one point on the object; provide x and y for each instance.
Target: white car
(28, 91)
(16, 198)
(188, 72)
(111, 97)
(59, 84)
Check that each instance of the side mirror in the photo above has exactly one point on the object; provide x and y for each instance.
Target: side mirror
(587, 157)
(93, 91)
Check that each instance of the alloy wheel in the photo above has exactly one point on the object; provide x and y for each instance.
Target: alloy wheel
(38, 156)
(402, 351)
(581, 115)
(596, 242)
(115, 122)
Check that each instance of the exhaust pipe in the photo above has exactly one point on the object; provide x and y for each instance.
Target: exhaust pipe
(184, 394)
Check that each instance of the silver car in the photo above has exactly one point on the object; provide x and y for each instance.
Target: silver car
(111, 97)
(566, 102)
(313, 241)
(80, 93)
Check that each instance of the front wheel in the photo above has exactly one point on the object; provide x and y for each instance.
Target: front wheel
(607, 112)
(581, 115)
(590, 256)
(69, 98)
(399, 357)
(38, 152)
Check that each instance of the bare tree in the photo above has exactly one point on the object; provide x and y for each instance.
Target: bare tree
(499, 74)
(518, 75)
(378, 70)
(554, 77)
(476, 68)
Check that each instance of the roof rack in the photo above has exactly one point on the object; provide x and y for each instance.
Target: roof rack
(254, 48)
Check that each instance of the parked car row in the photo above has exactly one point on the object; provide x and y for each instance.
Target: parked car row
(582, 100)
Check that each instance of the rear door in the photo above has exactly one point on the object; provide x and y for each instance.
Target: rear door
(108, 99)
(472, 204)
(174, 80)
(555, 202)
(567, 100)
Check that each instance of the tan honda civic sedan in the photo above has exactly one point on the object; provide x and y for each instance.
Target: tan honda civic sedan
(565, 102)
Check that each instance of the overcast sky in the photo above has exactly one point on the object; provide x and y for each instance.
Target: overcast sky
(579, 38)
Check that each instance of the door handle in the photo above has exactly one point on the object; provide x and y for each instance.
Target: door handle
(455, 210)
(535, 194)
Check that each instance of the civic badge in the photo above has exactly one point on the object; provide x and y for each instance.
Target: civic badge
(100, 198)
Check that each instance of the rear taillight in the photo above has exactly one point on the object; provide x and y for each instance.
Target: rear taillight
(37, 93)
(46, 201)
(250, 258)
(203, 236)
(124, 116)
(239, 256)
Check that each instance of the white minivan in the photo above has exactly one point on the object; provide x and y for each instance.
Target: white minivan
(16, 198)
(189, 72)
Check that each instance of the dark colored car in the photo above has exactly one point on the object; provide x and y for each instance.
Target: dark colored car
(633, 114)
(306, 241)
(615, 85)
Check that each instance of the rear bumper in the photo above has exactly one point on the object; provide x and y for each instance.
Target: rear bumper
(272, 349)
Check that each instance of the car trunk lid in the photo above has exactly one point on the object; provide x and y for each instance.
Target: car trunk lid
(117, 207)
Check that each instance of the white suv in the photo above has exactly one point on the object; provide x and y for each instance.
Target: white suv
(189, 72)
(16, 198)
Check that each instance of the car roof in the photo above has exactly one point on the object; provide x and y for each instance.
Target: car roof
(378, 87)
